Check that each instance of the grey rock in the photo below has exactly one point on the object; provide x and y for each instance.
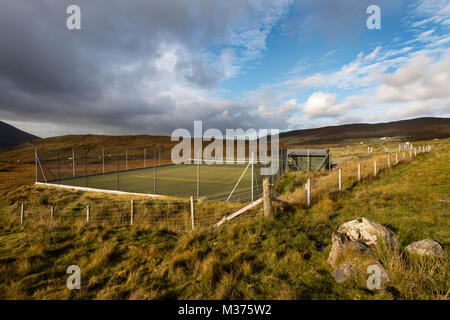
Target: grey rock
(340, 244)
(343, 273)
(368, 232)
(426, 247)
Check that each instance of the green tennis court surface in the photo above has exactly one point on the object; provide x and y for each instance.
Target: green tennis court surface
(215, 181)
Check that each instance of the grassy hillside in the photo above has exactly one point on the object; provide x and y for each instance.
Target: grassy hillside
(281, 257)
(405, 130)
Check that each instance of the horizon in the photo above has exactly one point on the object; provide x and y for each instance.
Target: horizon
(285, 65)
(236, 138)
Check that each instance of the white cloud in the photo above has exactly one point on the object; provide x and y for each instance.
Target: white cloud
(421, 78)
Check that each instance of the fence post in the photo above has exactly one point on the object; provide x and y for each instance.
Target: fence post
(340, 179)
(73, 163)
(103, 159)
(36, 163)
(52, 211)
(117, 171)
(359, 171)
(132, 213)
(410, 154)
(88, 213)
(389, 161)
(308, 192)
(396, 158)
(192, 213)
(21, 214)
(375, 168)
(154, 173)
(59, 176)
(267, 204)
(85, 171)
(252, 175)
(198, 175)
(145, 157)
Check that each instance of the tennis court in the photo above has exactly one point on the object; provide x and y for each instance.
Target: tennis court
(214, 181)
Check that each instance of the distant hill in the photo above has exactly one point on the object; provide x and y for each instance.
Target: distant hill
(409, 130)
(11, 136)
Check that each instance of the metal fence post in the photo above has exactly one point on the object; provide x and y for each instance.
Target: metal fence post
(85, 171)
(192, 213)
(73, 163)
(117, 171)
(59, 177)
(103, 159)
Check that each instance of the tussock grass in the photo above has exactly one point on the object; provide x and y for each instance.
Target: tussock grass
(280, 257)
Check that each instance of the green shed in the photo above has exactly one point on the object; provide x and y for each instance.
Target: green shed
(309, 159)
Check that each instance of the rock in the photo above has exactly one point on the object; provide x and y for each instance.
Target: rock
(367, 232)
(426, 247)
(341, 244)
(445, 199)
(343, 273)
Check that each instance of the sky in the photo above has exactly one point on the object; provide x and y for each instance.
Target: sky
(150, 67)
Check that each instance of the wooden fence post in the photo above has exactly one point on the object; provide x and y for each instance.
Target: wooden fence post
(52, 211)
(132, 212)
(192, 213)
(308, 192)
(267, 203)
(88, 213)
(359, 171)
(340, 179)
(410, 154)
(21, 214)
(375, 168)
(389, 161)
(396, 158)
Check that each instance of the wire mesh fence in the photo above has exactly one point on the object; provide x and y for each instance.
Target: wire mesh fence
(348, 175)
(149, 170)
(182, 215)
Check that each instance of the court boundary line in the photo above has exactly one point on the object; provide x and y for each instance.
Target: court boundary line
(115, 192)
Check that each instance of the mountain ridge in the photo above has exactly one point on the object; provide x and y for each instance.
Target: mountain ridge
(11, 136)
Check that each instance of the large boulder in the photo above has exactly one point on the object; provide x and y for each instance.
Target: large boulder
(426, 247)
(359, 236)
(367, 232)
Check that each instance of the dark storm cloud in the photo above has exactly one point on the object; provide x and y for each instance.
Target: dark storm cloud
(117, 74)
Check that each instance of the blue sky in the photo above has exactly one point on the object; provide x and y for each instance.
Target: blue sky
(151, 67)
